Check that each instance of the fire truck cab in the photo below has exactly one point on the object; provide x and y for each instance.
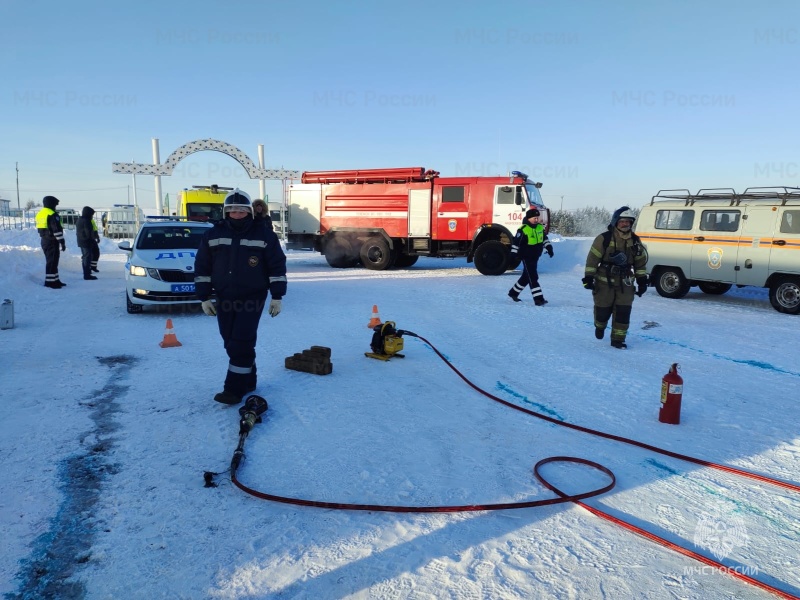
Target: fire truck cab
(386, 218)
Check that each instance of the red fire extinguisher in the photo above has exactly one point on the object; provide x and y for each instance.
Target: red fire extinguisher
(671, 394)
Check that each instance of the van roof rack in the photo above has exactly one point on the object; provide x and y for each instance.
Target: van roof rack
(783, 193)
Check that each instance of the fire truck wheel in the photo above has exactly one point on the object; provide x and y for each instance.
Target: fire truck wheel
(713, 287)
(513, 263)
(376, 255)
(784, 295)
(670, 283)
(491, 258)
(403, 261)
(339, 253)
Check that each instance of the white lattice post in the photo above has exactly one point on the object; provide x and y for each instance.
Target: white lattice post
(262, 183)
(157, 161)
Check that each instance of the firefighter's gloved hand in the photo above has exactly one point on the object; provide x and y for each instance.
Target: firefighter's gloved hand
(641, 286)
(209, 308)
(63, 246)
(549, 249)
(274, 308)
(588, 283)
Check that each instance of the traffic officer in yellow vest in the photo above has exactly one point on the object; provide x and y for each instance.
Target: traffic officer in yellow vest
(48, 224)
(528, 245)
(616, 259)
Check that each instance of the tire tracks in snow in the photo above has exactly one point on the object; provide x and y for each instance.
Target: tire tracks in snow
(59, 554)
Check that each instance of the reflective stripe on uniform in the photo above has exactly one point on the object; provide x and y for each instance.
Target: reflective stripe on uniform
(254, 243)
(239, 370)
(220, 242)
(280, 278)
(202, 279)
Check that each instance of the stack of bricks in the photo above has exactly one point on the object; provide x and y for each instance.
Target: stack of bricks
(316, 360)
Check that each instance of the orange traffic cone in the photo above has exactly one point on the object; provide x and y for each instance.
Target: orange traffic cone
(170, 339)
(376, 319)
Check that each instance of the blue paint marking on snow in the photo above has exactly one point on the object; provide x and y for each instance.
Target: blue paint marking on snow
(543, 408)
(741, 506)
(750, 363)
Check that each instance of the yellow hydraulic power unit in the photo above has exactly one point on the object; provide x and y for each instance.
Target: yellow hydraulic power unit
(387, 341)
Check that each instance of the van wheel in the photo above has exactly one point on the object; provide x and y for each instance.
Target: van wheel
(784, 295)
(376, 255)
(491, 258)
(714, 288)
(670, 283)
(339, 253)
(131, 307)
(403, 261)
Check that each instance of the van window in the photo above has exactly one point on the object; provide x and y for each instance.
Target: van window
(719, 220)
(681, 220)
(790, 222)
(453, 194)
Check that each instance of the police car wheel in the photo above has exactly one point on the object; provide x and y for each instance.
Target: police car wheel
(131, 307)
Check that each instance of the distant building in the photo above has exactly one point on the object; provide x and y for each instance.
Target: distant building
(5, 207)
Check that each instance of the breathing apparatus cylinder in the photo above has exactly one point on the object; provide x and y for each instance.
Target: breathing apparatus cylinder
(671, 396)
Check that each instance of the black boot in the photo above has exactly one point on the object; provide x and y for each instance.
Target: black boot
(228, 397)
(618, 344)
(513, 296)
(539, 301)
(599, 333)
(89, 277)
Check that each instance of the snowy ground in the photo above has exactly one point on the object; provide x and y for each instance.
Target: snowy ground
(106, 436)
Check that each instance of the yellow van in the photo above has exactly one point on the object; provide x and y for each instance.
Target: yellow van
(718, 238)
(202, 202)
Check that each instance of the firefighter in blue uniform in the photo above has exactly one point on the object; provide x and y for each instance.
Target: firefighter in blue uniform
(528, 244)
(240, 261)
(48, 224)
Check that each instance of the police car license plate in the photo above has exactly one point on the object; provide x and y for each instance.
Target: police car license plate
(183, 288)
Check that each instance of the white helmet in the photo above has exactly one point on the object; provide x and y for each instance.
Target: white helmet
(237, 200)
(622, 213)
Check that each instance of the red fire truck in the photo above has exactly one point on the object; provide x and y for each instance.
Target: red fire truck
(386, 218)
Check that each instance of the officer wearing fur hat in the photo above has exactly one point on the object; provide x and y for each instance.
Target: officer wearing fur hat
(48, 224)
(241, 261)
(86, 234)
(616, 259)
(528, 245)
(261, 213)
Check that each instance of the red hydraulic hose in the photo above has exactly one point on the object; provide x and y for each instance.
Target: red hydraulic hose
(562, 496)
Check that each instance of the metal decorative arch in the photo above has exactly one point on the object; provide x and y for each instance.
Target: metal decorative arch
(238, 155)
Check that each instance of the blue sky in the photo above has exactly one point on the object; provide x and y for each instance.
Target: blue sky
(604, 102)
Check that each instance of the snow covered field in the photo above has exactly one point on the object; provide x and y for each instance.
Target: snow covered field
(106, 436)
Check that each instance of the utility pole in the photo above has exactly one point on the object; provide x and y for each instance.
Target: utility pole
(19, 208)
(562, 204)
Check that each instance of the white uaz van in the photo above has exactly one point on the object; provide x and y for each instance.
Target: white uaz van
(717, 238)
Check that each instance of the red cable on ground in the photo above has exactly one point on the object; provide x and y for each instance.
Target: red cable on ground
(562, 496)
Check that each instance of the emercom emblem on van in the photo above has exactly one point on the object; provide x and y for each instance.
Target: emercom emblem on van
(715, 257)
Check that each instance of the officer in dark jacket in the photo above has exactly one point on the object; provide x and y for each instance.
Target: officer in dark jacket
(528, 245)
(241, 261)
(48, 224)
(86, 241)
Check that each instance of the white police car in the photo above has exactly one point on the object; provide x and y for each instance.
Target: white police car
(160, 268)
